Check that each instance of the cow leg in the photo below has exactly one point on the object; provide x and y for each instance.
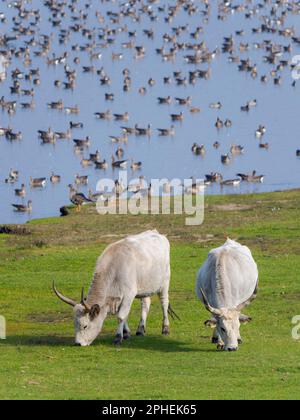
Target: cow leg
(126, 331)
(145, 306)
(122, 319)
(164, 298)
(120, 332)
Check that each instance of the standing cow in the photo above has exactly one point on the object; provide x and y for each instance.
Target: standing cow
(135, 267)
(226, 284)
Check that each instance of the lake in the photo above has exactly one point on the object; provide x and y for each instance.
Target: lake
(162, 157)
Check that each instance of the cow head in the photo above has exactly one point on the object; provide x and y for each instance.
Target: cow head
(228, 321)
(88, 320)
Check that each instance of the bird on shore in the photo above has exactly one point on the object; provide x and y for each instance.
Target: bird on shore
(78, 199)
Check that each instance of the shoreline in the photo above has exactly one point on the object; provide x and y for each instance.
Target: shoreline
(208, 197)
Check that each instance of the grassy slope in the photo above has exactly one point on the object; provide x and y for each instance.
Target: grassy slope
(38, 361)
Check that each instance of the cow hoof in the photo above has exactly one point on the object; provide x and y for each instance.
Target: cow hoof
(166, 330)
(214, 340)
(220, 347)
(118, 340)
(126, 335)
(141, 332)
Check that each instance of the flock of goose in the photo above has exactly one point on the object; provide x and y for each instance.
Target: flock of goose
(22, 42)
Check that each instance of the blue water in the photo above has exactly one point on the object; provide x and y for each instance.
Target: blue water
(278, 109)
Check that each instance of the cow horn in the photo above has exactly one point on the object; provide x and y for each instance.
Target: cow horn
(210, 309)
(63, 298)
(248, 301)
(83, 301)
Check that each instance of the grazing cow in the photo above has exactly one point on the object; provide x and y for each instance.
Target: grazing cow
(226, 284)
(135, 267)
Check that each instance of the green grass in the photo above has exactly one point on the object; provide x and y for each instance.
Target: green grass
(39, 361)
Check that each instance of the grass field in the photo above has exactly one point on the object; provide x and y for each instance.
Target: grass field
(39, 361)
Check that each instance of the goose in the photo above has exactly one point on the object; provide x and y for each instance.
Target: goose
(177, 117)
(264, 146)
(216, 105)
(231, 182)
(225, 159)
(101, 165)
(86, 162)
(13, 176)
(21, 192)
(3, 131)
(82, 142)
(128, 130)
(119, 139)
(260, 132)
(237, 150)
(22, 208)
(135, 166)
(122, 164)
(165, 132)
(38, 182)
(143, 131)
(253, 103)
(95, 157)
(120, 153)
(196, 187)
(61, 135)
(214, 177)
(184, 101)
(142, 91)
(72, 110)
(94, 197)
(245, 108)
(136, 187)
(47, 136)
(228, 123)
(219, 124)
(78, 199)
(104, 115)
(75, 125)
(118, 188)
(56, 105)
(198, 150)
(81, 179)
(252, 178)
(28, 105)
(26, 92)
(216, 145)
(298, 153)
(165, 101)
(122, 117)
(109, 97)
(55, 179)
(10, 135)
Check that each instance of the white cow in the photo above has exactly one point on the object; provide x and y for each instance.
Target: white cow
(226, 284)
(135, 267)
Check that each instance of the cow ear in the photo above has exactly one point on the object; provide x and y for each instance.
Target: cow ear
(244, 319)
(211, 323)
(94, 312)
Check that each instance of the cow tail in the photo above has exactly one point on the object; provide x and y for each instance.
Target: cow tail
(173, 314)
